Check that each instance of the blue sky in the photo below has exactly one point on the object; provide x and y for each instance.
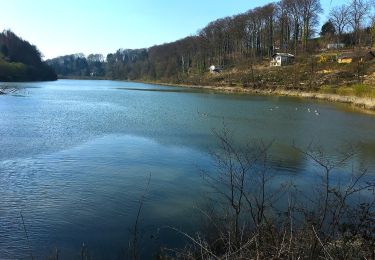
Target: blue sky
(60, 27)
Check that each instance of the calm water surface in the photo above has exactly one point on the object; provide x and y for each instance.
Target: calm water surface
(75, 157)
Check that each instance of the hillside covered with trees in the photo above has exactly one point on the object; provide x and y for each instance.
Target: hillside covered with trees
(21, 61)
(243, 45)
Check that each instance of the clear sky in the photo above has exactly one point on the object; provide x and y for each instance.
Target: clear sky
(59, 27)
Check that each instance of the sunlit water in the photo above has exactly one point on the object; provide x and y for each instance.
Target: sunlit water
(75, 158)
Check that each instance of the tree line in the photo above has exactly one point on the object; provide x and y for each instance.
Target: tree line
(244, 39)
(21, 61)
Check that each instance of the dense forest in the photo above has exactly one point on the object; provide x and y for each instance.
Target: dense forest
(242, 40)
(21, 61)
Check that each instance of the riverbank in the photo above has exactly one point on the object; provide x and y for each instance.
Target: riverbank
(364, 103)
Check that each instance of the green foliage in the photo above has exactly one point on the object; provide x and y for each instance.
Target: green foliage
(21, 61)
(127, 64)
(12, 71)
(4, 50)
(77, 65)
(328, 29)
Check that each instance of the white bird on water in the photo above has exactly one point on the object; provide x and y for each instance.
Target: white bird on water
(202, 114)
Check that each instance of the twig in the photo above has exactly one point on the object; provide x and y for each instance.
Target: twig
(135, 242)
(194, 241)
(321, 243)
(27, 236)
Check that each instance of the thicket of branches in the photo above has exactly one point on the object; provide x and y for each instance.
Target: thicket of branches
(284, 26)
(250, 215)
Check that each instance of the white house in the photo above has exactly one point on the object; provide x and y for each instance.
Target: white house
(214, 69)
(333, 46)
(281, 59)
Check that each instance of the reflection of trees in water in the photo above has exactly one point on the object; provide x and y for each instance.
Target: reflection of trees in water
(329, 219)
(286, 157)
(366, 154)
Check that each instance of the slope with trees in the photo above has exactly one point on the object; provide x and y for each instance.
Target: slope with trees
(242, 45)
(21, 61)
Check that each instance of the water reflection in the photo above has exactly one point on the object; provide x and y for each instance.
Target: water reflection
(75, 156)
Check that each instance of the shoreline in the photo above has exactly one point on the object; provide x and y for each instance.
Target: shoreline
(367, 104)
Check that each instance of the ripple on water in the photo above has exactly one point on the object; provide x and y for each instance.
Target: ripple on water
(75, 156)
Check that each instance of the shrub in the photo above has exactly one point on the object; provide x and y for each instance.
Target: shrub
(246, 221)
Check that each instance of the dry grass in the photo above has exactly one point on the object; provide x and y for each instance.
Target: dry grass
(357, 90)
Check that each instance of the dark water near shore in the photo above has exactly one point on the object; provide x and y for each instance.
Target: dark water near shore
(75, 157)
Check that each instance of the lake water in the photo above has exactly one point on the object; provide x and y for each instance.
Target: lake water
(75, 158)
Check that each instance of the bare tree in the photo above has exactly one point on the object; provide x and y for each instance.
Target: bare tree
(284, 25)
(359, 11)
(310, 13)
(333, 219)
(294, 10)
(339, 16)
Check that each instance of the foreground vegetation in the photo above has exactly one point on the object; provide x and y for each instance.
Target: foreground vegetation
(249, 217)
(21, 61)
(250, 214)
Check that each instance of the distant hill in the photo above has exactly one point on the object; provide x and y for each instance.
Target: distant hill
(21, 61)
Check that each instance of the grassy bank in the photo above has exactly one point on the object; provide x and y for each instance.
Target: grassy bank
(356, 90)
